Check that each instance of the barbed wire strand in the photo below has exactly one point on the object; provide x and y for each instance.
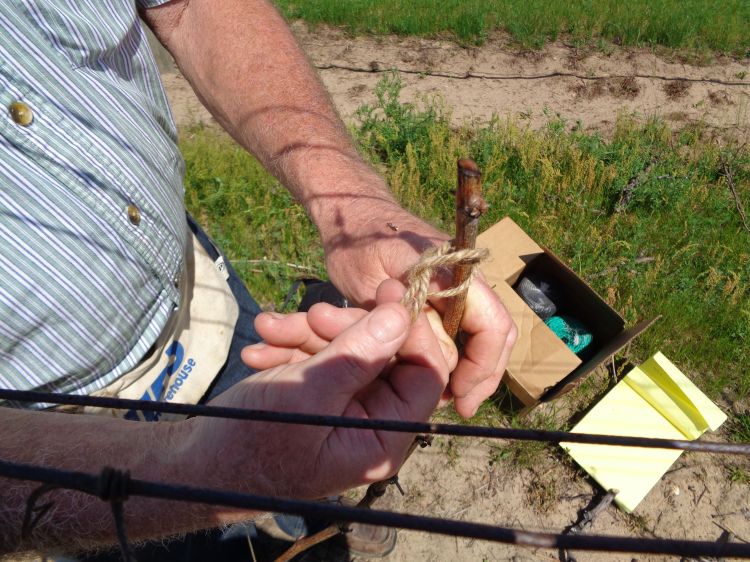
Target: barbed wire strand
(91, 483)
(456, 430)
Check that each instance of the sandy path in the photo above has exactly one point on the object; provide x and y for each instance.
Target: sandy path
(573, 95)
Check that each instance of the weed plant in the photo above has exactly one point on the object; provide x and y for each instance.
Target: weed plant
(676, 249)
(256, 222)
(694, 25)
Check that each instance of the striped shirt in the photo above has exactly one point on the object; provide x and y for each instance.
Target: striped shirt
(92, 220)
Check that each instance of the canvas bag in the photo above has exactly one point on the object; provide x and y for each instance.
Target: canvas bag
(191, 349)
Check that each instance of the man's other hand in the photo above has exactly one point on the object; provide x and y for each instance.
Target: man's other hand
(380, 240)
(351, 375)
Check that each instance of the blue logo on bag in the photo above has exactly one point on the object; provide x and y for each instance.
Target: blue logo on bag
(158, 390)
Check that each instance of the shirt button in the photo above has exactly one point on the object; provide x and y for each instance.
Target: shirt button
(134, 215)
(21, 113)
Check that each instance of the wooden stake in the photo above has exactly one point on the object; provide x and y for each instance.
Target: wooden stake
(470, 205)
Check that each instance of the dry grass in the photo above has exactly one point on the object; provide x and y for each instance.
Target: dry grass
(676, 89)
(624, 88)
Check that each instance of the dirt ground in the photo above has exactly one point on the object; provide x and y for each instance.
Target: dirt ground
(459, 479)
(590, 87)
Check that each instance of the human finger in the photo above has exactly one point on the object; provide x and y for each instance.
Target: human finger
(491, 335)
(357, 356)
(290, 338)
(328, 321)
(288, 330)
(487, 387)
(392, 290)
(416, 381)
(262, 356)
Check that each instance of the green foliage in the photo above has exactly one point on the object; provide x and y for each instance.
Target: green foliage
(696, 25)
(739, 475)
(739, 428)
(563, 188)
(265, 234)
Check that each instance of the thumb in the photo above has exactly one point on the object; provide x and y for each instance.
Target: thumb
(357, 356)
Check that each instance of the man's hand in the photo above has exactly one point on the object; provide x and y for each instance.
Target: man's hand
(290, 338)
(368, 249)
(344, 377)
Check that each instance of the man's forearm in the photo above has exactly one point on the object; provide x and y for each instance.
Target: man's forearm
(77, 521)
(245, 65)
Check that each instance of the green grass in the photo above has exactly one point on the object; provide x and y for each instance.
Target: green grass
(265, 234)
(562, 187)
(715, 25)
(739, 428)
(739, 475)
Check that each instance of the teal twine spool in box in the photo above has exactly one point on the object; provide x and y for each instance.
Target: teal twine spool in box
(571, 331)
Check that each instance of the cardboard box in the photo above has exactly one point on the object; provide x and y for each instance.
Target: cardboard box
(541, 366)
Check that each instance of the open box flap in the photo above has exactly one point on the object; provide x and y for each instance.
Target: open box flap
(510, 247)
(609, 349)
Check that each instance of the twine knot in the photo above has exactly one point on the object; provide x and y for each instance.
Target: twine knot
(419, 275)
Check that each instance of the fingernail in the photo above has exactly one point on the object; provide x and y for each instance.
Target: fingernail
(386, 324)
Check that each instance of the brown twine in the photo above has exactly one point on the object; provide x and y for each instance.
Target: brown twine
(419, 275)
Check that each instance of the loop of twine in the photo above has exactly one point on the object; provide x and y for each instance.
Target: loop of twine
(420, 274)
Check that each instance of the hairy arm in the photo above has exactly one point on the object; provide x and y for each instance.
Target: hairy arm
(246, 67)
(77, 521)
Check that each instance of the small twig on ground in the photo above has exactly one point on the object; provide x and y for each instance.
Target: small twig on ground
(587, 519)
(730, 182)
(459, 512)
(627, 192)
(275, 262)
(673, 470)
(702, 494)
(731, 532)
(569, 498)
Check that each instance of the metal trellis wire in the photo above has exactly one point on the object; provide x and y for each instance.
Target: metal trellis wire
(116, 486)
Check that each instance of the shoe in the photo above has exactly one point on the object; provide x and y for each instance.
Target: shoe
(368, 541)
(361, 540)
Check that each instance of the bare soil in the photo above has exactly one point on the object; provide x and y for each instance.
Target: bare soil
(461, 479)
(695, 501)
(586, 87)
